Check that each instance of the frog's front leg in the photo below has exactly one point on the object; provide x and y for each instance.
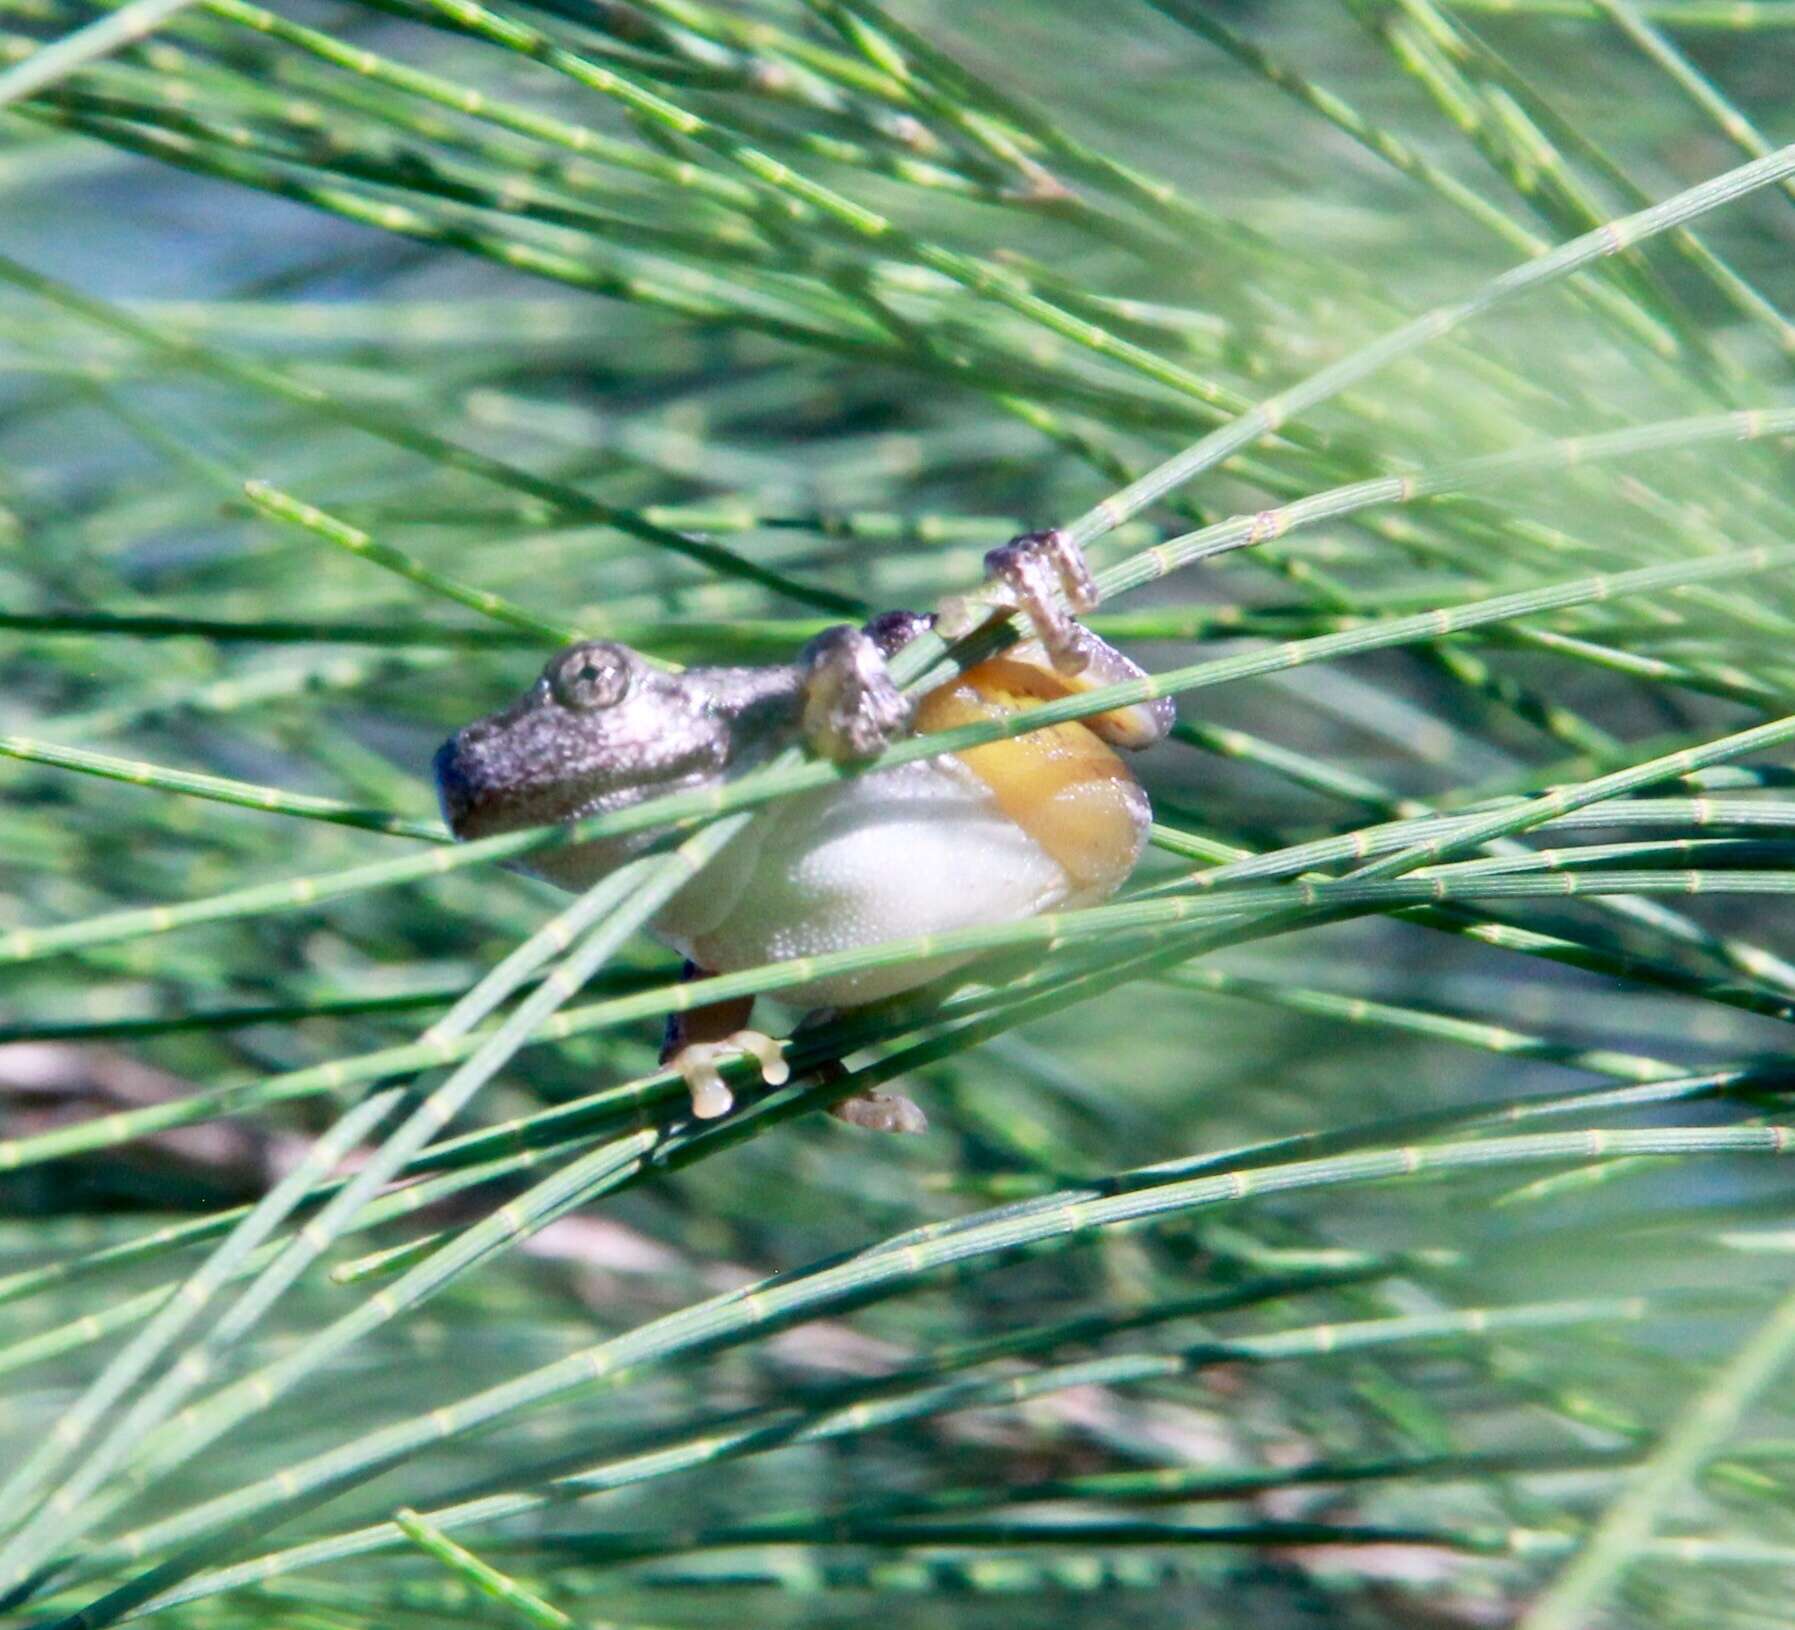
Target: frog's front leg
(851, 709)
(700, 1039)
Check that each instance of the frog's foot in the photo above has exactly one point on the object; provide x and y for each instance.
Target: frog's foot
(701, 1038)
(697, 1063)
(881, 1112)
(851, 708)
(876, 1111)
(1034, 573)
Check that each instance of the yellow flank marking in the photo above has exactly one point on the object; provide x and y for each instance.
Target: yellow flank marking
(1063, 785)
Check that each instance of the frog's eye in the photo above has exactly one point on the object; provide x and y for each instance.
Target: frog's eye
(589, 676)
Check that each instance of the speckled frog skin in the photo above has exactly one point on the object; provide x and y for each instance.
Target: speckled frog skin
(993, 834)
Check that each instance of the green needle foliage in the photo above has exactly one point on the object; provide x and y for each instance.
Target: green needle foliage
(1376, 1213)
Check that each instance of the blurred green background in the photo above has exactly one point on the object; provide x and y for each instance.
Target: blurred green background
(1377, 1258)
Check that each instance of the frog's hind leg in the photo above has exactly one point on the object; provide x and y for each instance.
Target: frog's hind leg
(701, 1038)
(881, 1112)
(1033, 573)
(872, 1110)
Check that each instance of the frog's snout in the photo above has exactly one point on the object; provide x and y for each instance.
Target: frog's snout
(503, 772)
(455, 785)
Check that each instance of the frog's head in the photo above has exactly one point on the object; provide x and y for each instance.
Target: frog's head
(600, 729)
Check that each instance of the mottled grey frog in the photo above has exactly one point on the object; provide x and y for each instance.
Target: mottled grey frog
(993, 834)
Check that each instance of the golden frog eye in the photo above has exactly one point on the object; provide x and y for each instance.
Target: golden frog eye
(589, 676)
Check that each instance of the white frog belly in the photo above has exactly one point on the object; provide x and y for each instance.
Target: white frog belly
(919, 849)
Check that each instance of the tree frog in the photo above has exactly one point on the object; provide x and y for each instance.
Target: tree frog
(993, 834)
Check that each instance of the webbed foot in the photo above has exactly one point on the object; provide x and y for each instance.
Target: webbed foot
(1034, 573)
(697, 1063)
(881, 1112)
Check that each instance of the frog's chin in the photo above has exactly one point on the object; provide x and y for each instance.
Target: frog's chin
(577, 866)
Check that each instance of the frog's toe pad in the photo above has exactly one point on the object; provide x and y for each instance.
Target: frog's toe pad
(851, 707)
(1036, 571)
(881, 1112)
(697, 1063)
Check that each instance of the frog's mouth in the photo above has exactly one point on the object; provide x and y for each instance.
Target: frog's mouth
(489, 780)
(480, 797)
